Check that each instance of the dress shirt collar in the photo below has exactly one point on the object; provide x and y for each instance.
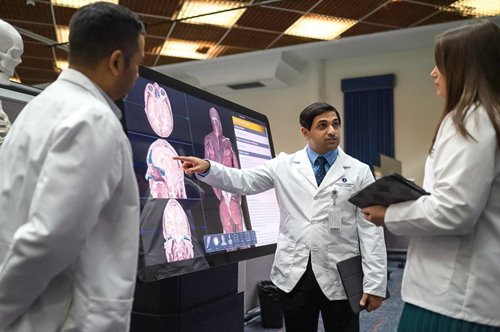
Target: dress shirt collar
(330, 156)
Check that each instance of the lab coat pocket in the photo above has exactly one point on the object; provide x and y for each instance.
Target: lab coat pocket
(346, 210)
(340, 195)
(285, 256)
(434, 273)
(108, 315)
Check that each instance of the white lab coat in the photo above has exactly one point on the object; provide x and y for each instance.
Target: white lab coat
(453, 263)
(69, 217)
(304, 226)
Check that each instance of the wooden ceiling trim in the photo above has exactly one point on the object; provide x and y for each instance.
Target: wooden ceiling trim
(167, 60)
(195, 32)
(295, 5)
(235, 50)
(287, 40)
(249, 39)
(40, 50)
(365, 29)
(401, 14)
(441, 17)
(354, 10)
(19, 10)
(62, 15)
(153, 7)
(268, 19)
(42, 63)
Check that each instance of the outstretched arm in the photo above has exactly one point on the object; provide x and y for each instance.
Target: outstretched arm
(192, 165)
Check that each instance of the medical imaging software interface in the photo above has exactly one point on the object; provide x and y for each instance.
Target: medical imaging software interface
(183, 218)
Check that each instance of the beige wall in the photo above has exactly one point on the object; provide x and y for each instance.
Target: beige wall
(416, 106)
(282, 106)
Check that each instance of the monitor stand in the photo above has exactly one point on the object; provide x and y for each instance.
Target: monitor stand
(206, 300)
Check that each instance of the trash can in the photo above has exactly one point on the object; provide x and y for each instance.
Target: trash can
(271, 313)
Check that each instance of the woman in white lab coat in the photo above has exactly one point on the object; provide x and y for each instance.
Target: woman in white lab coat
(452, 275)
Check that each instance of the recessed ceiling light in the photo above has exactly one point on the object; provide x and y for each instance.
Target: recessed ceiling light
(188, 49)
(15, 79)
(77, 3)
(319, 27)
(62, 32)
(228, 18)
(62, 64)
(477, 8)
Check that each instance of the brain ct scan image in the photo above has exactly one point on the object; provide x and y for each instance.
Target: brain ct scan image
(177, 234)
(165, 175)
(158, 109)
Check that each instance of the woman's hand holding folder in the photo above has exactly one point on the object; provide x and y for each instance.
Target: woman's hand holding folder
(375, 214)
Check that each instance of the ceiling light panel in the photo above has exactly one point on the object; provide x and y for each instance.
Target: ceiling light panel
(319, 27)
(77, 3)
(189, 50)
(62, 32)
(192, 8)
(477, 8)
(62, 64)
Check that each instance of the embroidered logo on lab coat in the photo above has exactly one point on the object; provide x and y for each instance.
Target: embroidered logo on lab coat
(343, 184)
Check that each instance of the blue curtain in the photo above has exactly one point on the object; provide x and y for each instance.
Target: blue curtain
(369, 117)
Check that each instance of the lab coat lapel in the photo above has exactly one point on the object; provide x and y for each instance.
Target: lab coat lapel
(304, 166)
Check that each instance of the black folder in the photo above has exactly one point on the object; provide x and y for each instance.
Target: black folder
(389, 189)
(351, 274)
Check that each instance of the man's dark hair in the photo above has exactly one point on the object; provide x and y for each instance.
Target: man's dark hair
(97, 30)
(310, 112)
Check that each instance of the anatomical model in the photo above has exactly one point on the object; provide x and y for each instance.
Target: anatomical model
(11, 49)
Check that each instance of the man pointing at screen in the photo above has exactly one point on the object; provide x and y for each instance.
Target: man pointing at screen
(318, 227)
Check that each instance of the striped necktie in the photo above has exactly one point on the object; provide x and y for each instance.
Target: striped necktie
(321, 170)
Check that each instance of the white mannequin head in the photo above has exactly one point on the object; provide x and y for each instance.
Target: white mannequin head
(11, 49)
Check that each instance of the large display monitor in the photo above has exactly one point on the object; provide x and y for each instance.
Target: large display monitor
(187, 225)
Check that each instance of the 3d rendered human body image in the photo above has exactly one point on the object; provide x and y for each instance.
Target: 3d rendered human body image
(218, 148)
(165, 175)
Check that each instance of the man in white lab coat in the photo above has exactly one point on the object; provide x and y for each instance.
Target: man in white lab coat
(318, 226)
(69, 204)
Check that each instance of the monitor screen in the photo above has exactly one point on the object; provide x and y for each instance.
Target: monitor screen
(187, 225)
(13, 98)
